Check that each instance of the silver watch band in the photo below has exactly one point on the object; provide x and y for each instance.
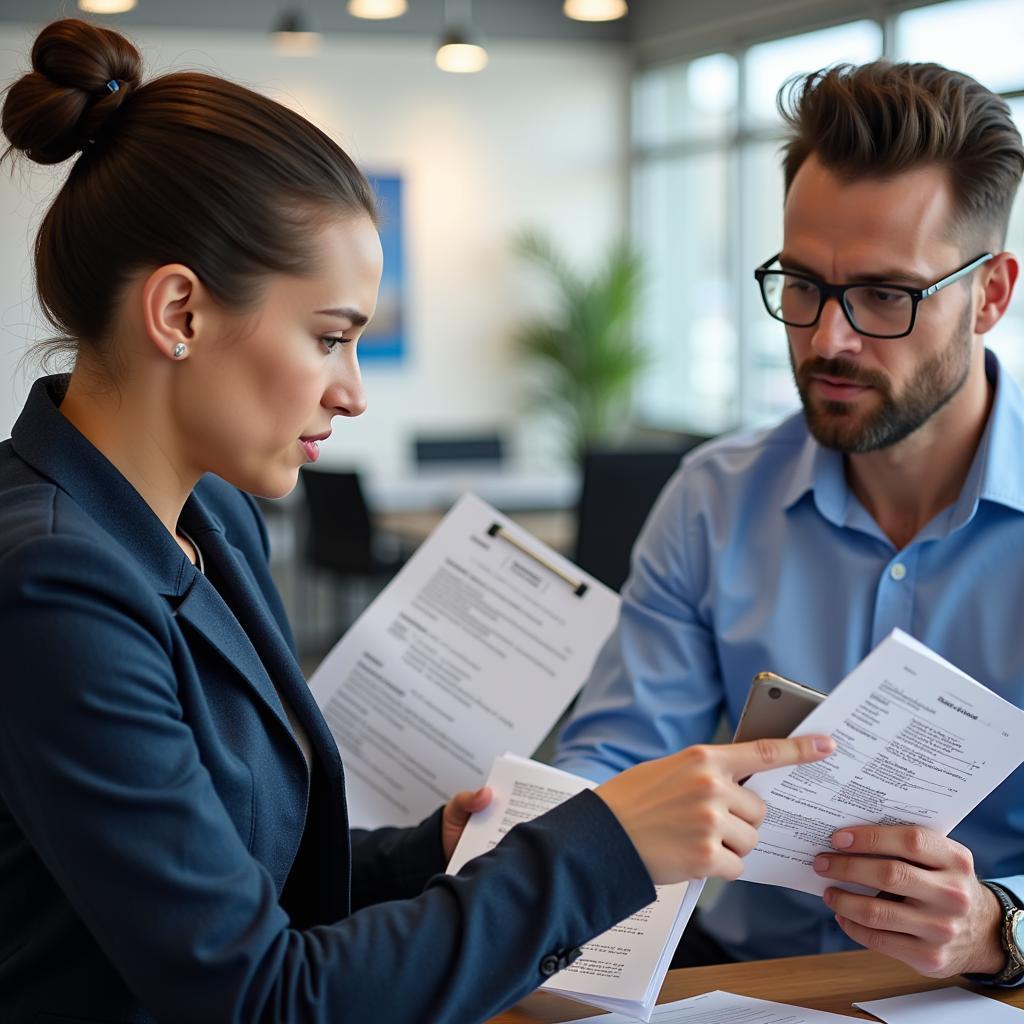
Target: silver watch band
(1014, 968)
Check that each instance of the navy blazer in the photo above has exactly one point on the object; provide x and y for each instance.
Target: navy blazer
(165, 854)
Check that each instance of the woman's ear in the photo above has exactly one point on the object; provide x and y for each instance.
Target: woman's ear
(171, 309)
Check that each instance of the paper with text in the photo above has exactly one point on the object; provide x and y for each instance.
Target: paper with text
(474, 648)
(726, 1008)
(621, 969)
(951, 1005)
(918, 743)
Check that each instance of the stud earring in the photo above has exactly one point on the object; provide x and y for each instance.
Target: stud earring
(180, 350)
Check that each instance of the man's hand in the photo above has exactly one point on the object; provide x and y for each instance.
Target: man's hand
(457, 812)
(945, 922)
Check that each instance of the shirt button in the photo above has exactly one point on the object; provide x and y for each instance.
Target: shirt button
(898, 571)
(549, 965)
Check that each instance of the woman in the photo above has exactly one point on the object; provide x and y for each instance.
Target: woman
(173, 837)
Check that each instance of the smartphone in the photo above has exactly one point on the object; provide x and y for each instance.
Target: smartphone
(775, 707)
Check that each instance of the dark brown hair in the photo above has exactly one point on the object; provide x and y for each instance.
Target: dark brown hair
(881, 119)
(187, 168)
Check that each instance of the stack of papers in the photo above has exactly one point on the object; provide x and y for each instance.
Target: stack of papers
(942, 1006)
(938, 1006)
(622, 969)
(726, 1008)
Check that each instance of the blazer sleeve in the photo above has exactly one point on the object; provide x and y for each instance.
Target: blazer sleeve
(395, 863)
(100, 771)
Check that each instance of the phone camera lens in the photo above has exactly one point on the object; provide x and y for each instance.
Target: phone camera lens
(775, 693)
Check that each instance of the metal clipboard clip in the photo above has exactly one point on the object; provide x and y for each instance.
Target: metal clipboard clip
(579, 588)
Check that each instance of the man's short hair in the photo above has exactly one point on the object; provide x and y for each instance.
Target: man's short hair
(880, 119)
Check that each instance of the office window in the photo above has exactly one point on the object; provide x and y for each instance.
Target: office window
(695, 99)
(768, 65)
(681, 220)
(707, 203)
(982, 38)
(686, 114)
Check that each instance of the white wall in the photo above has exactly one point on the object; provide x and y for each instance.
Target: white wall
(539, 138)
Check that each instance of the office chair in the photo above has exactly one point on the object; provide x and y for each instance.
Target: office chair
(619, 488)
(340, 539)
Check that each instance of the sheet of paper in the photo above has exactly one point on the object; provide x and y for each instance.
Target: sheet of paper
(475, 648)
(523, 790)
(951, 1005)
(624, 967)
(918, 742)
(726, 1008)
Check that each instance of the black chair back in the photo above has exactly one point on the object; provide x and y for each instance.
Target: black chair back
(339, 529)
(619, 488)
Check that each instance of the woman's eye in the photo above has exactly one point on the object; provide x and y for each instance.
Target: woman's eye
(330, 340)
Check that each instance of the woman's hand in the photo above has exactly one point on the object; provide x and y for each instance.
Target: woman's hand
(457, 812)
(687, 814)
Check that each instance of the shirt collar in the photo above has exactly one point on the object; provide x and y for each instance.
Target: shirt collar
(48, 441)
(996, 470)
(994, 474)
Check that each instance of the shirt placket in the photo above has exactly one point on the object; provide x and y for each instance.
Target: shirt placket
(894, 594)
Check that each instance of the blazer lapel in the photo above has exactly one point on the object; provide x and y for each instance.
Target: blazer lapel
(274, 652)
(206, 612)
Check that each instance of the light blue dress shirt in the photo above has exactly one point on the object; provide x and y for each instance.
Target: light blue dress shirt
(757, 556)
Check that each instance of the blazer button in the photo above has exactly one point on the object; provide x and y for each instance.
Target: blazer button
(549, 965)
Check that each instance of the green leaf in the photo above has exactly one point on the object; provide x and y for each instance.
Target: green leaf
(586, 351)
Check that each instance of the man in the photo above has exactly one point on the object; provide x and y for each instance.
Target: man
(895, 499)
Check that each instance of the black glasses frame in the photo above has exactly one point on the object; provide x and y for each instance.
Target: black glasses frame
(838, 292)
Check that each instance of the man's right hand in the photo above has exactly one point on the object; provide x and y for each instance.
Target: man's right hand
(687, 814)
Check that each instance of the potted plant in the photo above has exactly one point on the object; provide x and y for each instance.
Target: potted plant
(586, 356)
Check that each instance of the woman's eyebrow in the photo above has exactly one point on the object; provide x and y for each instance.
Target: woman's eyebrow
(356, 318)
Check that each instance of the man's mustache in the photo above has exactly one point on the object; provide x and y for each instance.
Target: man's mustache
(841, 369)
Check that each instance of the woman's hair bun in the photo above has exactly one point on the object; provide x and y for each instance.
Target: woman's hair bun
(81, 74)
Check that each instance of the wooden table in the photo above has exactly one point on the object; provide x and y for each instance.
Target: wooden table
(831, 982)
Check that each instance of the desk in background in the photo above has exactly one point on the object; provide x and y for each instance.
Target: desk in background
(556, 527)
(543, 503)
(830, 982)
(507, 490)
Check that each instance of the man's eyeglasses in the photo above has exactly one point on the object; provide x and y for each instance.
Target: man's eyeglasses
(874, 310)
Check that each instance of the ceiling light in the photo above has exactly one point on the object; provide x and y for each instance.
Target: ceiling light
(461, 50)
(595, 10)
(295, 36)
(106, 6)
(458, 54)
(377, 10)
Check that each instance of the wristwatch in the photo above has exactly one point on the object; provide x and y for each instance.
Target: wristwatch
(1011, 935)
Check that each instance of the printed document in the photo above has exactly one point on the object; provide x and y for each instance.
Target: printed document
(918, 742)
(474, 648)
(952, 1005)
(726, 1008)
(621, 969)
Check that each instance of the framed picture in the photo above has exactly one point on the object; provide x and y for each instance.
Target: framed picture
(384, 339)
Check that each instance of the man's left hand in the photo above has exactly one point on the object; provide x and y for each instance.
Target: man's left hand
(457, 812)
(945, 921)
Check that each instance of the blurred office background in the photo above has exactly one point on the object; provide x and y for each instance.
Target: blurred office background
(658, 127)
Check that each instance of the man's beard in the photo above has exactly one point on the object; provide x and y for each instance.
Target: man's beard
(835, 425)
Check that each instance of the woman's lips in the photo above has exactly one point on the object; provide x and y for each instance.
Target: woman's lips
(311, 444)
